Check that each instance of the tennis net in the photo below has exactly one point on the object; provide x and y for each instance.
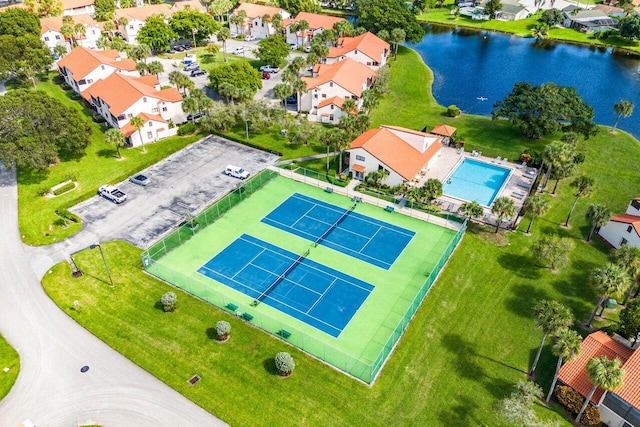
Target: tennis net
(334, 225)
(280, 278)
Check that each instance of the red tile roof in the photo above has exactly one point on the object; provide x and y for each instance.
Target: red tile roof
(367, 43)
(628, 219)
(574, 372)
(143, 12)
(74, 4)
(54, 23)
(444, 130)
(395, 152)
(192, 4)
(349, 74)
(128, 129)
(81, 61)
(335, 100)
(315, 20)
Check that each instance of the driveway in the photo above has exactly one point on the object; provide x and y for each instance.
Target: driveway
(184, 183)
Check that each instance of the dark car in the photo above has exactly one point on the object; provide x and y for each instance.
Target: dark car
(198, 72)
(291, 100)
(178, 48)
(265, 75)
(195, 116)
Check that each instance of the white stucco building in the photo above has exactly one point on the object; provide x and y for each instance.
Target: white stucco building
(78, 7)
(136, 17)
(317, 24)
(51, 31)
(624, 229)
(367, 49)
(253, 24)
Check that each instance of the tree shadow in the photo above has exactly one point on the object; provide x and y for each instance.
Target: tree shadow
(460, 414)
(520, 265)
(211, 333)
(107, 153)
(158, 306)
(32, 176)
(524, 298)
(270, 366)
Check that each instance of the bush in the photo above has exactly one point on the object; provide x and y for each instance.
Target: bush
(67, 187)
(186, 129)
(453, 111)
(569, 398)
(222, 330)
(591, 416)
(284, 364)
(168, 301)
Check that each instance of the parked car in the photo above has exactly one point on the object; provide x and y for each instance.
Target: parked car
(238, 50)
(250, 38)
(140, 180)
(198, 72)
(307, 49)
(265, 75)
(192, 66)
(112, 193)
(178, 48)
(269, 69)
(291, 100)
(194, 116)
(236, 172)
(293, 45)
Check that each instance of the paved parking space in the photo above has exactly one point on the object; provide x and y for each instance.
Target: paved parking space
(183, 183)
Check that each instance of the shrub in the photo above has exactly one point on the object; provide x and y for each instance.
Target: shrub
(569, 398)
(453, 111)
(284, 364)
(168, 301)
(186, 129)
(67, 187)
(222, 330)
(591, 416)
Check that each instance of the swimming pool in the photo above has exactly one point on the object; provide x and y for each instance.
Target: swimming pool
(476, 180)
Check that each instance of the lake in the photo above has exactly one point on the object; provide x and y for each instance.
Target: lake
(470, 64)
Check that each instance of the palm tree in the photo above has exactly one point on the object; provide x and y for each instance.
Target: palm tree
(297, 63)
(551, 317)
(604, 373)
(276, 21)
(554, 154)
(503, 207)
(397, 36)
(109, 28)
(537, 205)
(301, 26)
(583, 186)
(137, 123)
(175, 77)
(114, 136)
(299, 87)
(228, 91)
(624, 109)
(349, 106)
(155, 67)
(79, 30)
(610, 280)
(190, 106)
(282, 91)
(540, 31)
(560, 171)
(289, 75)
(628, 257)
(471, 209)
(566, 347)
(599, 215)
(223, 35)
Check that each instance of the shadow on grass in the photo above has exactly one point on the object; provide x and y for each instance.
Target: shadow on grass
(29, 176)
(270, 365)
(107, 153)
(460, 414)
(158, 306)
(211, 333)
(524, 298)
(520, 265)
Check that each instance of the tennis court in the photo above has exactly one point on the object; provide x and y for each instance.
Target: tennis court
(371, 240)
(308, 291)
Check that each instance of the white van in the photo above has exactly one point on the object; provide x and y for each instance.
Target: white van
(236, 172)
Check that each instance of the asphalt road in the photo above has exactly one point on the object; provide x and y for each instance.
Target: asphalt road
(51, 390)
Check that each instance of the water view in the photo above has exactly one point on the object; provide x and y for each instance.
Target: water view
(474, 69)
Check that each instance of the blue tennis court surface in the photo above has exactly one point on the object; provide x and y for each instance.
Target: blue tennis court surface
(376, 242)
(311, 292)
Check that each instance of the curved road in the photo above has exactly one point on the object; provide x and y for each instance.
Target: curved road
(51, 390)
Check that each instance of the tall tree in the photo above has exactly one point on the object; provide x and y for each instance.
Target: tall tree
(628, 257)
(137, 123)
(566, 346)
(44, 8)
(140, 52)
(116, 137)
(599, 215)
(223, 35)
(503, 207)
(24, 57)
(551, 317)
(190, 106)
(540, 31)
(604, 373)
(583, 186)
(624, 109)
(155, 67)
(609, 281)
(396, 37)
(471, 209)
(301, 27)
(349, 106)
(377, 15)
(555, 154)
(272, 50)
(491, 7)
(630, 320)
(299, 87)
(193, 24)
(156, 33)
(219, 8)
(553, 251)
(536, 205)
(240, 74)
(19, 22)
(630, 27)
(104, 10)
(282, 91)
(432, 189)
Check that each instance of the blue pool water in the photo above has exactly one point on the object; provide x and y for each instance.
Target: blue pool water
(476, 180)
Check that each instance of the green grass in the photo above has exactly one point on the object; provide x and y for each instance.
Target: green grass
(98, 166)
(271, 140)
(8, 359)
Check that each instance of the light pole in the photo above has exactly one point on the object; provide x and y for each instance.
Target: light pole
(194, 31)
(97, 245)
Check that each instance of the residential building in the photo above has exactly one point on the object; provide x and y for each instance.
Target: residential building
(188, 4)
(344, 80)
(403, 153)
(78, 7)
(136, 17)
(367, 49)
(118, 98)
(588, 21)
(317, 24)
(621, 407)
(83, 67)
(623, 229)
(512, 10)
(51, 31)
(253, 23)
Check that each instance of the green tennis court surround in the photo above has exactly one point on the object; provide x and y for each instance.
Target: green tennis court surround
(366, 341)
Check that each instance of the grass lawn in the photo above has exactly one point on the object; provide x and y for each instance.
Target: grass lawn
(8, 359)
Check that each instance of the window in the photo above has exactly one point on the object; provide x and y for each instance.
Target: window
(89, 81)
(131, 27)
(102, 67)
(82, 82)
(332, 106)
(149, 135)
(629, 228)
(355, 51)
(330, 84)
(369, 63)
(360, 158)
(623, 241)
(164, 108)
(129, 115)
(46, 39)
(154, 110)
(331, 117)
(150, 124)
(57, 37)
(144, 99)
(324, 95)
(315, 96)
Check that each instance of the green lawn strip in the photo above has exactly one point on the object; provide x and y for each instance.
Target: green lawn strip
(39, 225)
(8, 359)
(271, 140)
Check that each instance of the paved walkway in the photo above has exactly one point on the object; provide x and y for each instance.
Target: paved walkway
(51, 390)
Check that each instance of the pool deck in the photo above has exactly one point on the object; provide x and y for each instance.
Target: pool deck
(517, 186)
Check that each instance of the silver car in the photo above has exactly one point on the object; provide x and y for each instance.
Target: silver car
(140, 180)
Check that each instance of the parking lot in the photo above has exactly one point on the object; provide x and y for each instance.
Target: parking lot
(183, 183)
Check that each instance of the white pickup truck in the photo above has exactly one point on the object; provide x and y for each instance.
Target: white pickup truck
(112, 193)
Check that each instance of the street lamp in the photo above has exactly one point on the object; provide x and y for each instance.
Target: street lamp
(97, 245)
(194, 31)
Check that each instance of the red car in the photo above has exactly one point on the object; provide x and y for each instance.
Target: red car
(265, 75)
